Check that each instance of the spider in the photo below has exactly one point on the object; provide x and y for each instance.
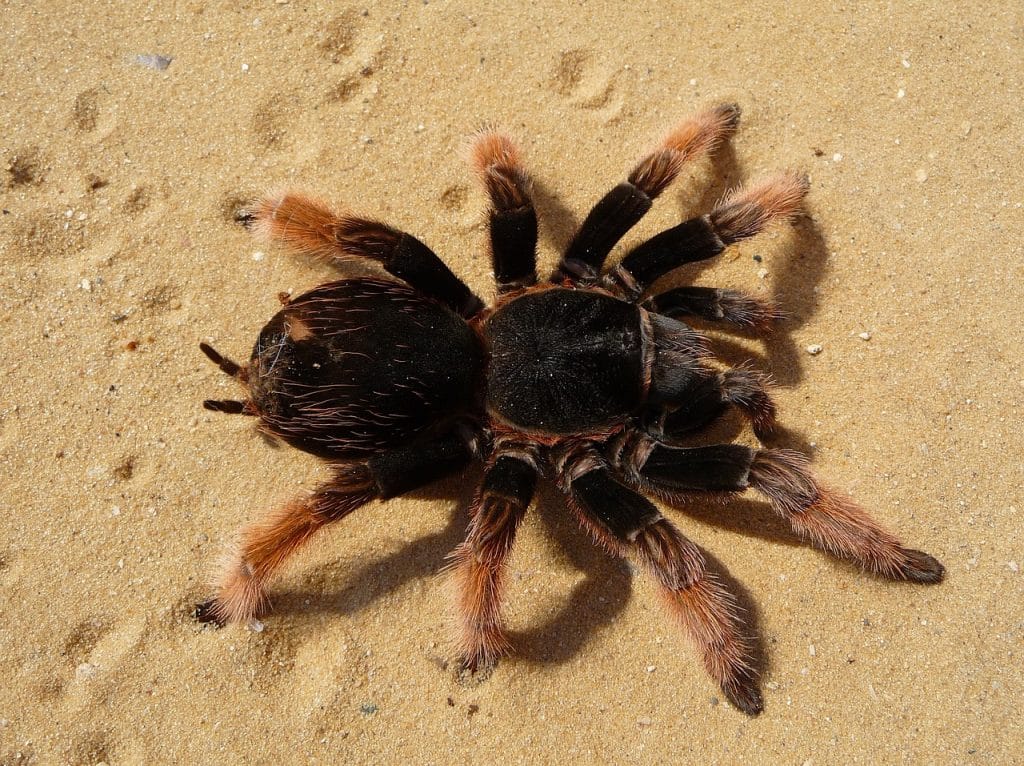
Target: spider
(590, 378)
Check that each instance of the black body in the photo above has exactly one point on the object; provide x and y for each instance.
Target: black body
(564, 361)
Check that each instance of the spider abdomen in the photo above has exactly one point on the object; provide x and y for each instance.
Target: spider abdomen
(354, 367)
(564, 361)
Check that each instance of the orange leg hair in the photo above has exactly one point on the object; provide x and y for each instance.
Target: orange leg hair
(266, 545)
(478, 563)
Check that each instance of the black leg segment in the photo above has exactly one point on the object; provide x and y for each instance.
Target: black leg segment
(479, 562)
(715, 305)
(513, 220)
(311, 227)
(742, 215)
(708, 397)
(622, 207)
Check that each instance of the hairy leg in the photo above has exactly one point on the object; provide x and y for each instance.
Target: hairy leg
(714, 304)
(743, 214)
(478, 563)
(828, 519)
(620, 209)
(625, 523)
(265, 546)
(309, 226)
(512, 219)
(708, 397)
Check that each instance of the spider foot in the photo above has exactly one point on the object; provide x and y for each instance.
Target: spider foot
(473, 671)
(245, 216)
(918, 566)
(207, 613)
(743, 692)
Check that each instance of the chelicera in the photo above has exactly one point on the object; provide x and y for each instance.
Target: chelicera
(589, 378)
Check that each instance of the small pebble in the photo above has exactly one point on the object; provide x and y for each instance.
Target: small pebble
(256, 626)
(814, 349)
(245, 67)
(965, 129)
(921, 175)
(115, 511)
(837, 157)
(153, 61)
(900, 93)
(85, 670)
(1013, 566)
(811, 651)
(762, 273)
(258, 255)
(86, 285)
(864, 336)
(651, 668)
(645, 721)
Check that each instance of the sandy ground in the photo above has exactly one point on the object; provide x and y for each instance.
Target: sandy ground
(118, 255)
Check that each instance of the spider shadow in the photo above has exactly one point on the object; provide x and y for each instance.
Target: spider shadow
(333, 588)
(592, 604)
(603, 595)
(558, 222)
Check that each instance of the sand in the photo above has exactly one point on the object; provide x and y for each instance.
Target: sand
(118, 255)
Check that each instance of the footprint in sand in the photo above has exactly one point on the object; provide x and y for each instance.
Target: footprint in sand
(582, 80)
(41, 233)
(345, 42)
(85, 114)
(25, 166)
(339, 36)
(454, 198)
(95, 650)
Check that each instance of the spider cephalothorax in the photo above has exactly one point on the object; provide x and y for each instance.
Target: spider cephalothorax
(589, 378)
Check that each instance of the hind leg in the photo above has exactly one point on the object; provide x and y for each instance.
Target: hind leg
(267, 545)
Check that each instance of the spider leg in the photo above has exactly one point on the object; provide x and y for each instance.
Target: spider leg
(620, 209)
(624, 522)
(478, 563)
(710, 394)
(513, 221)
(716, 305)
(266, 545)
(309, 226)
(743, 214)
(828, 519)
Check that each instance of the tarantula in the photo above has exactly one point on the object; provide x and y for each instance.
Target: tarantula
(587, 377)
